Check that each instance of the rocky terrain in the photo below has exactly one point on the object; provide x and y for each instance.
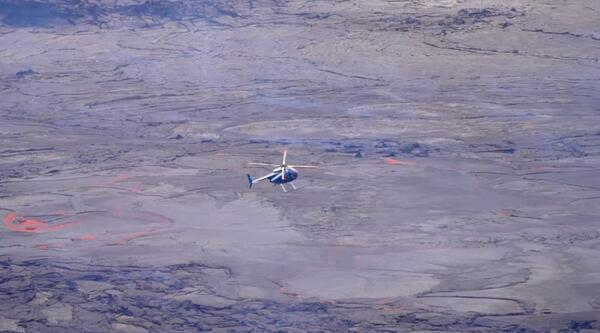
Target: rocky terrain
(458, 143)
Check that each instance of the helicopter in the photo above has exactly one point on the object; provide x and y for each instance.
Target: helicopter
(282, 174)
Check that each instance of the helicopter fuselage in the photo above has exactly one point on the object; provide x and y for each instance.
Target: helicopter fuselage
(290, 176)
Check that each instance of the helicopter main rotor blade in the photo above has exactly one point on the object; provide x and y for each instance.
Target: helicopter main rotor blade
(279, 175)
(263, 164)
(263, 177)
(283, 172)
(303, 166)
(284, 155)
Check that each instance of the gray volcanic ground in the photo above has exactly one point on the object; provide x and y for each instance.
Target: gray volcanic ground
(458, 140)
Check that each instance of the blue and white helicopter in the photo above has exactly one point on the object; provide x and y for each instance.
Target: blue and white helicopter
(283, 173)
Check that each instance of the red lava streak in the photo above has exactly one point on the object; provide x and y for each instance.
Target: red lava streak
(284, 291)
(503, 213)
(30, 225)
(393, 161)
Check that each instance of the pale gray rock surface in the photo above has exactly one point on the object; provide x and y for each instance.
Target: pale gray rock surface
(459, 143)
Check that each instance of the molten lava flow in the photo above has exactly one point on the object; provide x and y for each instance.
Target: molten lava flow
(88, 237)
(30, 225)
(393, 161)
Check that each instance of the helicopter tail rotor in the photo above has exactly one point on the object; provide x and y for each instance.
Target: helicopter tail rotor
(250, 181)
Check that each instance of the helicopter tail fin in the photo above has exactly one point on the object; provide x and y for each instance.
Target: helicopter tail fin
(250, 180)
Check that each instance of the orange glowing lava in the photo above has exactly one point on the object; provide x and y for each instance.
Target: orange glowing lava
(393, 161)
(12, 223)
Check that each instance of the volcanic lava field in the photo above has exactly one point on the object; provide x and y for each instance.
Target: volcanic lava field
(458, 145)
